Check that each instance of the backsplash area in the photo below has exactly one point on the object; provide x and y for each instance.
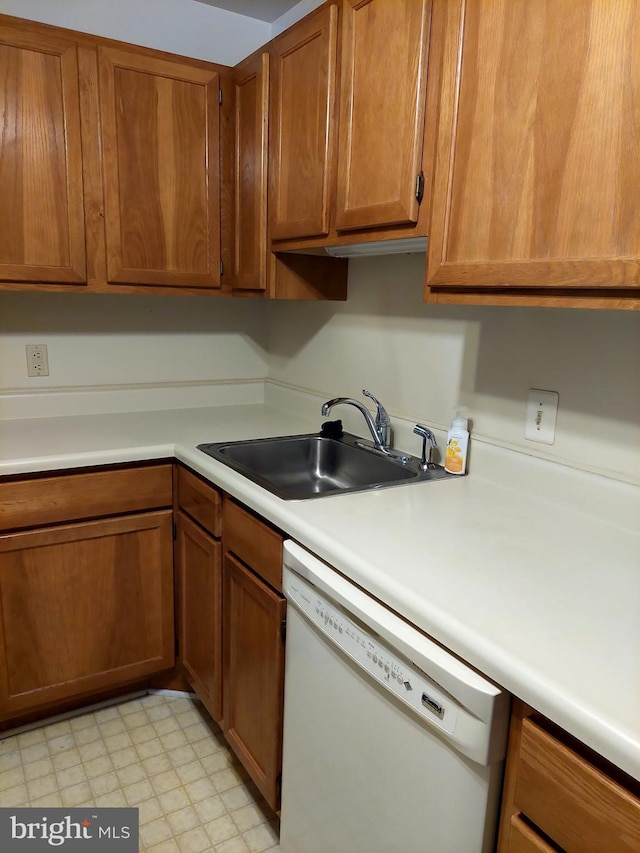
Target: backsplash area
(420, 360)
(423, 360)
(138, 352)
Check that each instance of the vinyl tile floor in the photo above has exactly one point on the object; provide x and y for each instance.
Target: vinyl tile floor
(159, 753)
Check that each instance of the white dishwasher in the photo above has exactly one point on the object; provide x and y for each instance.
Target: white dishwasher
(391, 744)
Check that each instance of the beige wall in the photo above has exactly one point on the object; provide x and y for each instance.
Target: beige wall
(423, 360)
(95, 341)
(420, 360)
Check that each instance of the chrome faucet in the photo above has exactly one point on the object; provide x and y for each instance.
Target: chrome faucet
(380, 429)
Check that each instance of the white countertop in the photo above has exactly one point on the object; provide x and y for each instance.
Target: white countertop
(513, 567)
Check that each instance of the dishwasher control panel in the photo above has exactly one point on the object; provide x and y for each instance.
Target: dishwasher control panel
(405, 681)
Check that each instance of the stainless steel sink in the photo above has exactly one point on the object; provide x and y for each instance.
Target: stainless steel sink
(298, 467)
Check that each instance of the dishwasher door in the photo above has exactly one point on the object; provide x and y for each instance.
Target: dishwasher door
(380, 754)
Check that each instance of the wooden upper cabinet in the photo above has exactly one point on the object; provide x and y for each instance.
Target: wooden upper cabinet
(538, 163)
(255, 267)
(250, 177)
(383, 80)
(160, 144)
(41, 196)
(348, 137)
(302, 126)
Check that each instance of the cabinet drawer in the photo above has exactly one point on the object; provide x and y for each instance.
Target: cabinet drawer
(71, 497)
(257, 544)
(201, 501)
(573, 802)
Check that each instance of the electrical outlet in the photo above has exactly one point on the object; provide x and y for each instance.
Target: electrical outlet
(542, 411)
(37, 360)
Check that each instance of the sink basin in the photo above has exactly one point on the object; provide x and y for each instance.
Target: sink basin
(298, 467)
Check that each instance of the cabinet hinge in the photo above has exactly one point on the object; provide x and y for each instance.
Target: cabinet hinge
(175, 529)
(219, 96)
(177, 648)
(420, 187)
(279, 786)
(283, 630)
(221, 267)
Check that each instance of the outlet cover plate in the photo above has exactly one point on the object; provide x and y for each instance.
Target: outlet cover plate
(542, 411)
(37, 360)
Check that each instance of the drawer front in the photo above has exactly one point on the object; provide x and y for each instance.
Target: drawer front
(573, 802)
(524, 839)
(201, 501)
(254, 542)
(72, 497)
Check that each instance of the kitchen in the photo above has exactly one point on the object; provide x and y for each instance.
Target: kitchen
(121, 353)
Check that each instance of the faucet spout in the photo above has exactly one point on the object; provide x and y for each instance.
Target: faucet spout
(379, 433)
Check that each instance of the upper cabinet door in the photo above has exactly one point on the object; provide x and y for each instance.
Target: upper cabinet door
(161, 170)
(303, 104)
(41, 209)
(250, 188)
(538, 163)
(383, 78)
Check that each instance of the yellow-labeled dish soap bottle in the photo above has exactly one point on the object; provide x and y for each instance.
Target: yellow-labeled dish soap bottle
(455, 457)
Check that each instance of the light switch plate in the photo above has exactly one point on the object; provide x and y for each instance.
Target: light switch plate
(542, 411)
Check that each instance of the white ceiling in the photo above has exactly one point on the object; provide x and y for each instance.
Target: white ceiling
(262, 10)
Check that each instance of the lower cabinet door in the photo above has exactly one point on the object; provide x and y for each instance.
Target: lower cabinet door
(83, 608)
(198, 560)
(254, 675)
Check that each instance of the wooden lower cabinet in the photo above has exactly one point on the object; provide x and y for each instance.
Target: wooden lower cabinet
(199, 572)
(523, 838)
(231, 623)
(560, 796)
(84, 607)
(253, 642)
(254, 675)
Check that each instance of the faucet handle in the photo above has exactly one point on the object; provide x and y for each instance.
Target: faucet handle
(427, 436)
(383, 422)
(382, 416)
